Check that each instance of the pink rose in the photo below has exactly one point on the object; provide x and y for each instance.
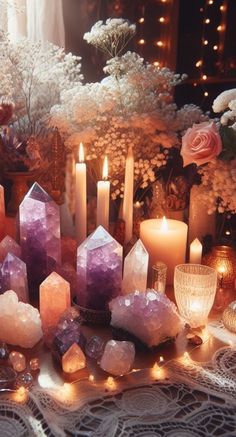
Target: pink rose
(201, 143)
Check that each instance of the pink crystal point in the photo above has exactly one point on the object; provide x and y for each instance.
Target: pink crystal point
(99, 270)
(14, 277)
(150, 316)
(73, 359)
(8, 245)
(135, 269)
(20, 323)
(39, 219)
(118, 357)
(54, 299)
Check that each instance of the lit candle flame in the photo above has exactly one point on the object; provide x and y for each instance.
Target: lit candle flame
(81, 153)
(221, 269)
(105, 169)
(164, 225)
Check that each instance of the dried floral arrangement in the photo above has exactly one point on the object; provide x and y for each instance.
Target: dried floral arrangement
(32, 76)
(132, 106)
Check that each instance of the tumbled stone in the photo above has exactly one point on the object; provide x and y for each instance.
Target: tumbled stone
(118, 357)
(17, 361)
(24, 380)
(73, 359)
(9, 245)
(4, 351)
(34, 364)
(94, 347)
(54, 299)
(14, 277)
(135, 269)
(99, 270)
(39, 218)
(150, 316)
(20, 323)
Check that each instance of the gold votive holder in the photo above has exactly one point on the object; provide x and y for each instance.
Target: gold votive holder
(159, 273)
(195, 289)
(229, 317)
(223, 260)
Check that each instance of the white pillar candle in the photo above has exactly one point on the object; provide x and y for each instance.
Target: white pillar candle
(195, 255)
(103, 198)
(80, 198)
(200, 223)
(128, 195)
(2, 213)
(165, 240)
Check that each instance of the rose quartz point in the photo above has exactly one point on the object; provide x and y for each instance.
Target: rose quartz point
(9, 245)
(54, 299)
(73, 359)
(118, 357)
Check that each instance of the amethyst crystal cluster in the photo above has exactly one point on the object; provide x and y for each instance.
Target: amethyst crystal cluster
(150, 316)
(99, 270)
(40, 234)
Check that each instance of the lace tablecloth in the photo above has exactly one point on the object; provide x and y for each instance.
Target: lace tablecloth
(190, 399)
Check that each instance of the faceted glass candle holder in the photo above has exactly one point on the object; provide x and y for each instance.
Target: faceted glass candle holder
(222, 259)
(159, 271)
(195, 289)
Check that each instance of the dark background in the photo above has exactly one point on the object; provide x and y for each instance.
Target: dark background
(183, 33)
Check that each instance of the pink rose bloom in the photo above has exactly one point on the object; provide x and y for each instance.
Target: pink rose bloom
(201, 143)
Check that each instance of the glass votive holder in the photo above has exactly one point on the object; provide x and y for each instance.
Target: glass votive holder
(195, 289)
(159, 271)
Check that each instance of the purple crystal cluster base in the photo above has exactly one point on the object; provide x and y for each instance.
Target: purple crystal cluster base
(150, 316)
(99, 270)
(40, 234)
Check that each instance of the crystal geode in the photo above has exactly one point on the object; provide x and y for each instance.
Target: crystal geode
(20, 323)
(149, 316)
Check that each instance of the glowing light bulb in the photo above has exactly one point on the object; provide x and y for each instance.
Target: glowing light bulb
(210, 2)
(207, 20)
(156, 63)
(204, 77)
(195, 84)
(205, 93)
(227, 232)
(160, 43)
(141, 41)
(219, 28)
(199, 63)
(161, 359)
(91, 378)
(164, 225)
(141, 20)
(205, 42)
(222, 8)
(215, 47)
(162, 19)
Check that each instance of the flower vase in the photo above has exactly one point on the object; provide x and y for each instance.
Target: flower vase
(20, 185)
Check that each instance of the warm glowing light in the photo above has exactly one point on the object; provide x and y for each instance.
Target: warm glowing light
(105, 169)
(162, 19)
(161, 359)
(164, 225)
(141, 20)
(199, 63)
(156, 371)
(163, 1)
(91, 378)
(227, 232)
(81, 153)
(215, 47)
(195, 84)
(110, 383)
(185, 358)
(221, 269)
(222, 8)
(210, 2)
(207, 20)
(205, 42)
(66, 393)
(156, 63)
(230, 343)
(160, 43)
(206, 94)
(220, 28)
(137, 204)
(21, 395)
(204, 77)
(141, 41)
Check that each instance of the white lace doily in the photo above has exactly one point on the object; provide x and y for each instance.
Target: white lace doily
(194, 400)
